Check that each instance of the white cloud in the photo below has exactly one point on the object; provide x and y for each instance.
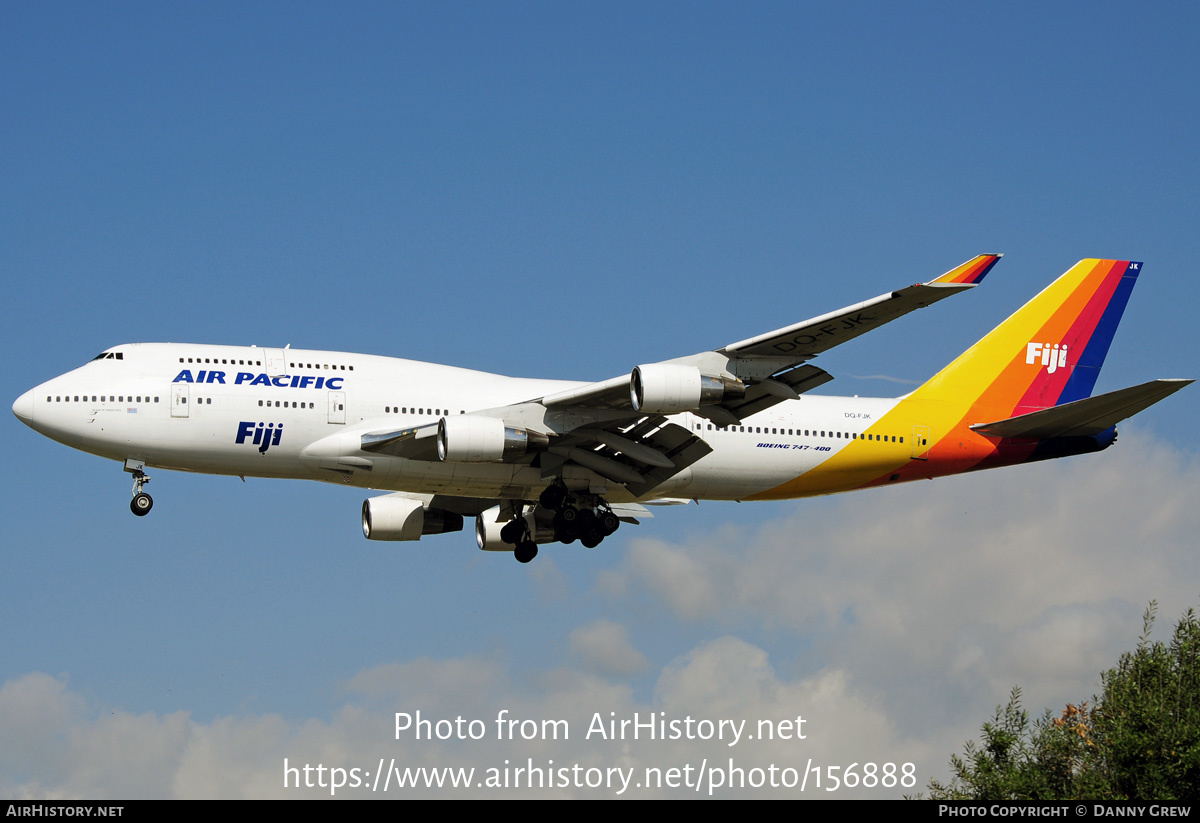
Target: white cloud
(603, 647)
(940, 596)
(104, 753)
(905, 616)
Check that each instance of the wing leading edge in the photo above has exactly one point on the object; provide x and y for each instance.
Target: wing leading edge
(771, 366)
(619, 429)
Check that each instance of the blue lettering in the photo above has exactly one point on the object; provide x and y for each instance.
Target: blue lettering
(329, 383)
(261, 380)
(200, 377)
(216, 377)
(275, 382)
(306, 381)
(320, 380)
(295, 381)
(184, 376)
(242, 377)
(244, 430)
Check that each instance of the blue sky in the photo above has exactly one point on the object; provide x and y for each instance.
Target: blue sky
(567, 190)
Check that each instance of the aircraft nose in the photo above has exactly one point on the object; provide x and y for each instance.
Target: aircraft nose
(23, 407)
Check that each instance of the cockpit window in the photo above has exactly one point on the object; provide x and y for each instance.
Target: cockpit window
(110, 355)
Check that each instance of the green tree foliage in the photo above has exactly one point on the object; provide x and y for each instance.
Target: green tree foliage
(1140, 739)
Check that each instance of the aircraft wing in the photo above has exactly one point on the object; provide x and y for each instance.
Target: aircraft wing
(619, 428)
(811, 337)
(472, 506)
(772, 366)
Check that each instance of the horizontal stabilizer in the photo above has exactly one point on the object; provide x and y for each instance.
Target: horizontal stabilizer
(1083, 418)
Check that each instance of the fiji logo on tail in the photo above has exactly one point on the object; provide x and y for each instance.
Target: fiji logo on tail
(264, 436)
(1052, 357)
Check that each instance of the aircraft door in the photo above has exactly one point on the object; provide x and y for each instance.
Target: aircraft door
(337, 407)
(179, 399)
(275, 362)
(920, 446)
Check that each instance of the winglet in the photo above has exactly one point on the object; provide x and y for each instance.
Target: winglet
(970, 273)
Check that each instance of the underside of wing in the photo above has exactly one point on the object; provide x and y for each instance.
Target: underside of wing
(639, 455)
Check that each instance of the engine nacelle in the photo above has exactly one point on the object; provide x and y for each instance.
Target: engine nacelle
(393, 517)
(473, 439)
(668, 388)
(487, 530)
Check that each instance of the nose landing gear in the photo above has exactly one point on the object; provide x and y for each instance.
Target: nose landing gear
(141, 502)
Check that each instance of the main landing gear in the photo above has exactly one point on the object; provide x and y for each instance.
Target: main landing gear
(516, 532)
(141, 502)
(586, 518)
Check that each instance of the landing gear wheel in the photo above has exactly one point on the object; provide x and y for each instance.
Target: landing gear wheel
(141, 504)
(512, 532)
(564, 530)
(525, 551)
(609, 523)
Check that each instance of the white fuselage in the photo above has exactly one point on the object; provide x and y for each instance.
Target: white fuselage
(301, 414)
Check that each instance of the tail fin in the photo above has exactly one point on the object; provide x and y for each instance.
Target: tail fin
(1048, 353)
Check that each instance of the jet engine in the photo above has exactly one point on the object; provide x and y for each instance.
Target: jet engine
(474, 439)
(488, 530)
(395, 517)
(667, 388)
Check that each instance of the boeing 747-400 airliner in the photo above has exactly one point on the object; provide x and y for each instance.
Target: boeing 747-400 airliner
(542, 461)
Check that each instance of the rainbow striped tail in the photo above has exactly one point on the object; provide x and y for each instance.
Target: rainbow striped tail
(1046, 354)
